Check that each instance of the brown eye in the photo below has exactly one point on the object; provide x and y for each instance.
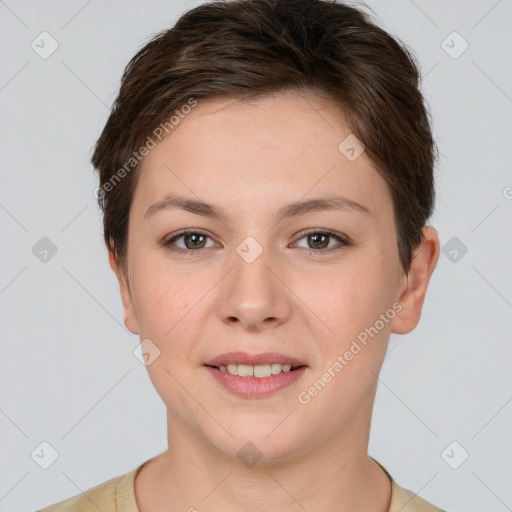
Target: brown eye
(194, 240)
(187, 242)
(320, 241)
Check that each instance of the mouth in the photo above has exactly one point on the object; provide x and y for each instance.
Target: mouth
(253, 376)
(259, 371)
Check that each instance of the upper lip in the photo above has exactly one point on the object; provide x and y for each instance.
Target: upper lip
(253, 359)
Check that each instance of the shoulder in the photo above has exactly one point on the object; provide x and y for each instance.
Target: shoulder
(101, 496)
(406, 501)
(403, 500)
(112, 495)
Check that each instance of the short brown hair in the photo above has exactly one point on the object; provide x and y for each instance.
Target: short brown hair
(250, 48)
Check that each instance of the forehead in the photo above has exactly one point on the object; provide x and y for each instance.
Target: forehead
(280, 146)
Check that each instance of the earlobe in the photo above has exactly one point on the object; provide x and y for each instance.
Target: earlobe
(130, 320)
(416, 282)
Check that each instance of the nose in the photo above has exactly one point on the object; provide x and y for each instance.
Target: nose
(254, 294)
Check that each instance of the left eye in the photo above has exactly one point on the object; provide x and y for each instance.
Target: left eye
(194, 240)
(320, 239)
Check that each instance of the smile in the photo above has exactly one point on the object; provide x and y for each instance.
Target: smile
(259, 371)
(255, 375)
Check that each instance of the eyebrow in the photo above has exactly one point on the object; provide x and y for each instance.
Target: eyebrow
(199, 207)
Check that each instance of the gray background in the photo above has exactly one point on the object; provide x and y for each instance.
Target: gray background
(68, 372)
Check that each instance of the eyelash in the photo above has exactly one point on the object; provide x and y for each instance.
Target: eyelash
(168, 243)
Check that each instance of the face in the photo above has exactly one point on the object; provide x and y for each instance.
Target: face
(254, 275)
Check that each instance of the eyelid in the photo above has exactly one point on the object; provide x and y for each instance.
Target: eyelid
(311, 231)
(171, 238)
(343, 241)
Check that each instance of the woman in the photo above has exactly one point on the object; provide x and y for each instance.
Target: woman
(266, 178)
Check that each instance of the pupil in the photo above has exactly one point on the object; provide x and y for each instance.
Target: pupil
(194, 237)
(316, 235)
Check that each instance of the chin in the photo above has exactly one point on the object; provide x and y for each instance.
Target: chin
(257, 438)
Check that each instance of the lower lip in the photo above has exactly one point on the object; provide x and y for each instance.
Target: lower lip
(255, 387)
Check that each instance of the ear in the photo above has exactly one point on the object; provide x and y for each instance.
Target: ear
(415, 282)
(130, 319)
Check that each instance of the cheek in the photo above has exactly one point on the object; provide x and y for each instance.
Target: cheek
(163, 300)
(351, 305)
(353, 297)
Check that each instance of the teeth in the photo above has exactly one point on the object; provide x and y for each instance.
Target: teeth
(260, 370)
(232, 368)
(245, 370)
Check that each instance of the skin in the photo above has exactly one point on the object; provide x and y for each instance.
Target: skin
(251, 159)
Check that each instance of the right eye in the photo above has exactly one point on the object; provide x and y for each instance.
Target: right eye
(193, 241)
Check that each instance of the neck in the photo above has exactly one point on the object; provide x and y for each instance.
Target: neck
(337, 475)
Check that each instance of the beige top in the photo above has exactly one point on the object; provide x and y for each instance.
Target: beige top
(118, 495)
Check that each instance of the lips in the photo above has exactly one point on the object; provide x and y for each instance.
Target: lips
(256, 375)
(254, 359)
